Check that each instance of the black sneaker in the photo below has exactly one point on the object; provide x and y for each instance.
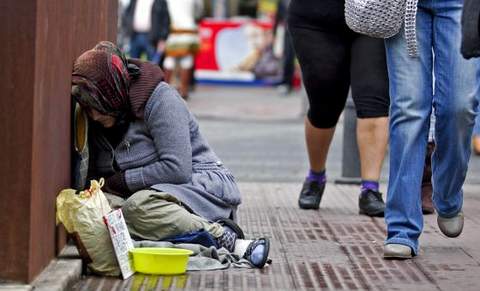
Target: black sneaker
(371, 203)
(311, 195)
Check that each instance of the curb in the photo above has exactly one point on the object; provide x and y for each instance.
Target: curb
(61, 273)
(14, 287)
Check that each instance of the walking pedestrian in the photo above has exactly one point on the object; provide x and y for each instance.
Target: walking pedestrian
(333, 58)
(441, 77)
(183, 41)
(147, 24)
(476, 136)
(285, 85)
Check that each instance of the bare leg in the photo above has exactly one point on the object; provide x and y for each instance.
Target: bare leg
(185, 77)
(372, 139)
(318, 142)
(168, 76)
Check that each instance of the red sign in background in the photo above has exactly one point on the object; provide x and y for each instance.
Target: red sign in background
(238, 40)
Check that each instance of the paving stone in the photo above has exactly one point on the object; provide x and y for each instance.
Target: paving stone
(333, 248)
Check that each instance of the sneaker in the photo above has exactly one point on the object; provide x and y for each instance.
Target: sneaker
(311, 195)
(232, 225)
(371, 203)
(257, 252)
(397, 251)
(451, 226)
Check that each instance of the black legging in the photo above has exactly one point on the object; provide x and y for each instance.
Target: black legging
(332, 60)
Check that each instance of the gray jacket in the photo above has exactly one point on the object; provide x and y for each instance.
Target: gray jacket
(166, 152)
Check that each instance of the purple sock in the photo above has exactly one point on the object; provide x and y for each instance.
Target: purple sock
(369, 185)
(319, 177)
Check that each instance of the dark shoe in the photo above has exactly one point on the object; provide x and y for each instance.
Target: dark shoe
(427, 203)
(427, 190)
(226, 222)
(311, 195)
(258, 258)
(371, 203)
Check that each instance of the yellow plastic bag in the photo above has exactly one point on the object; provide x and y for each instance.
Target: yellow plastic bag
(82, 215)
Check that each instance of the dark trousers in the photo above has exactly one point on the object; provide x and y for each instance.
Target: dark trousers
(139, 44)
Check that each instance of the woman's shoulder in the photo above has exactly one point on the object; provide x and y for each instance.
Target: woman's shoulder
(165, 98)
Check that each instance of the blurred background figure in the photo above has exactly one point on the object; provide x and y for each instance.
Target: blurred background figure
(183, 41)
(426, 186)
(476, 136)
(122, 39)
(288, 54)
(147, 23)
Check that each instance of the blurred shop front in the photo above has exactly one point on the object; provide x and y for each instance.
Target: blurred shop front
(239, 44)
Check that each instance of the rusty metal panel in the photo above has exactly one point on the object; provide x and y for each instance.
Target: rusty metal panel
(40, 41)
(16, 90)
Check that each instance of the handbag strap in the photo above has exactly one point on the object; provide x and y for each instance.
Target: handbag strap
(410, 27)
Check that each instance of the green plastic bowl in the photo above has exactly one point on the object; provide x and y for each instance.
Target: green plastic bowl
(160, 261)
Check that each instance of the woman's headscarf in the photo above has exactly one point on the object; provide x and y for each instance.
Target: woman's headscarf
(102, 81)
(105, 80)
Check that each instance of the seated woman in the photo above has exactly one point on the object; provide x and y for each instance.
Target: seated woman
(147, 144)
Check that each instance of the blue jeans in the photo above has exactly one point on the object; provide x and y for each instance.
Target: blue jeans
(454, 98)
(139, 44)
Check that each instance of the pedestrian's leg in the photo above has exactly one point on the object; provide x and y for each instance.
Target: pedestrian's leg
(410, 108)
(372, 138)
(135, 46)
(427, 188)
(185, 77)
(318, 142)
(325, 61)
(169, 67)
(289, 59)
(455, 101)
(476, 135)
(370, 93)
(150, 50)
(186, 65)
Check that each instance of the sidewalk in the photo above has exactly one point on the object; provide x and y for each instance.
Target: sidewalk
(259, 136)
(333, 248)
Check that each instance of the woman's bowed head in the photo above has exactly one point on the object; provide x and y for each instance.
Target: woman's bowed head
(101, 81)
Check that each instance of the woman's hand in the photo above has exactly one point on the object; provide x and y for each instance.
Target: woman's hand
(117, 185)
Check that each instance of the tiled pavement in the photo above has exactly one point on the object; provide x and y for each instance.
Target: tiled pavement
(333, 248)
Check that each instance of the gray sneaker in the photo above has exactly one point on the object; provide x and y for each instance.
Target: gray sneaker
(452, 226)
(397, 251)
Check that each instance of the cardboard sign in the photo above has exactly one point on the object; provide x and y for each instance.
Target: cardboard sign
(121, 240)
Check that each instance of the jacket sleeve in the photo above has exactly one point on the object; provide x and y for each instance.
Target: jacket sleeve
(167, 119)
(160, 22)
